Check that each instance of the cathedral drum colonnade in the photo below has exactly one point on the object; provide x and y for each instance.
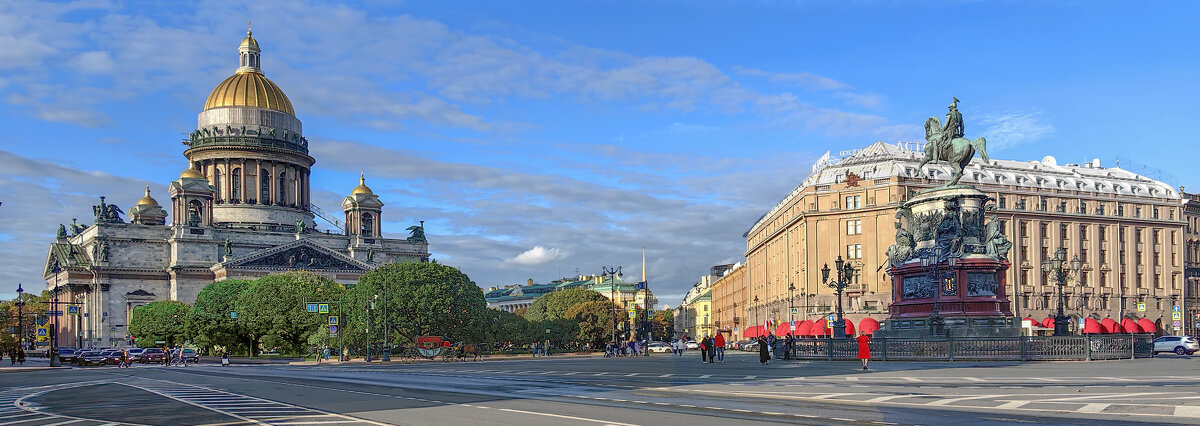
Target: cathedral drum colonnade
(240, 210)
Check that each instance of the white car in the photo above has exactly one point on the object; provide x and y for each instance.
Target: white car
(659, 347)
(691, 344)
(1179, 344)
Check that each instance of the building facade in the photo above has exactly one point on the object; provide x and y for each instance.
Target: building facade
(241, 210)
(1128, 229)
(1191, 263)
(513, 298)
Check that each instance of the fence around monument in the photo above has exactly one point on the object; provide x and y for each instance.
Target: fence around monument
(1037, 348)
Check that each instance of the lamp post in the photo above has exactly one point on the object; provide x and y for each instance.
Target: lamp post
(612, 274)
(1059, 268)
(387, 349)
(756, 309)
(54, 361)
(20, 312)
(845, 271)
(791, 304)
(931, 259)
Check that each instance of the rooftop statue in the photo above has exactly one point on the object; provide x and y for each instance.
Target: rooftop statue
(946, 143)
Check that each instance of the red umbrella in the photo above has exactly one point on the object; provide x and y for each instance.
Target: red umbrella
(849, 328)
(804, 328)
(1147, 326)
(819, 328)
(1048, 322)
(1110, 326)
(783, 329)
(1130, 326)
(1090, 326)
(868, 325)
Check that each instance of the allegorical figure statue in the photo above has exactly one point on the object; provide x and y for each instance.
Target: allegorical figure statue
(950, 232)
(300, 226)
(995, 242)
(946, 143)
(417, 233)
(903, 249)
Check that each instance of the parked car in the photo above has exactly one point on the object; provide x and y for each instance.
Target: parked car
(153, 355)
(188, 354)
(750, 346)
(1179, 344)
(658, 347)
(114, 356)
(135, 354)
(691, 344)
(68, 355)
(92, 358)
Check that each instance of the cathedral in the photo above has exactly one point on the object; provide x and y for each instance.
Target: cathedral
(241, 210)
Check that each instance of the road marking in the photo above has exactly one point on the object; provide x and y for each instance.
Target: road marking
(1092, 408)
(1186, 411)
(911, 379)
(830, 395)
(1012, 404)
(706, 376)
(666, 375)
(1046, 379)
(749, 377)
(953, 400)
(887, 398)
(974, 379)
(564, 417)
(852, 379)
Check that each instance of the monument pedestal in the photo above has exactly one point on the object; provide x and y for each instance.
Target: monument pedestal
(950, 274)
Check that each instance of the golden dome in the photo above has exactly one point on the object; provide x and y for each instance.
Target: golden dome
(249, 89)
(249, 41)
(189, 173)
(362, 186)
(148, 200)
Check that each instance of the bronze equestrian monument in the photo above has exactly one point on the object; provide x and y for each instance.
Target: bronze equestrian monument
(949, 261)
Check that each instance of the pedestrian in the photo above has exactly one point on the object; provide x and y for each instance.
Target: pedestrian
(719, 344)
(546, 348)
(712, 349)
(787, 346)
(12, 357)
(864, 348)
(764, 354)
(124, 359)
(704, 349)
(327, 353)
(771, 345)
(224, 359)
(533, 347)
(21, 356)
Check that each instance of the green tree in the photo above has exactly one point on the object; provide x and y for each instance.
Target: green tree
(506, 326)
(421, 299)
(210, 323)
(273, 308)
(595, 321)
(663, 324)
(554, 306)
(163, 320)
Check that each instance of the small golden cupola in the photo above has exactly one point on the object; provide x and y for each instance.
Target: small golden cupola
(363, 210)
(362, 187)
(148, 211)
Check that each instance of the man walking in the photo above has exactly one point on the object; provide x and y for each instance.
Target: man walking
(719, 344)
(787, 346)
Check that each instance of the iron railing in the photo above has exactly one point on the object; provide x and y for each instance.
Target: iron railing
(1037, 348)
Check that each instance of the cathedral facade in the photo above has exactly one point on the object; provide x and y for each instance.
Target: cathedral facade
(241, 210)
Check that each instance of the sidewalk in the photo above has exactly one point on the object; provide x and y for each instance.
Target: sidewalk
(506, 357)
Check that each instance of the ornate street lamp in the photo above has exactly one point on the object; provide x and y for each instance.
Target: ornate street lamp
(791, 303)
(845, 271)
(1061, 270)
(940, 280)
(756, 309)
(613, 274)
(20, 312)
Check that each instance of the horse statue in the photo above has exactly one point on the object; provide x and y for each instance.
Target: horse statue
(957, 151)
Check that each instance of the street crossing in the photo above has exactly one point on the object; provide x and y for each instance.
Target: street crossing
(247, 408)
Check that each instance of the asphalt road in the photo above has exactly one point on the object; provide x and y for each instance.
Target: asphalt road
(658, 390)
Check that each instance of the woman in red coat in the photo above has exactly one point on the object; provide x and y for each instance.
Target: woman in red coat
(864, 348)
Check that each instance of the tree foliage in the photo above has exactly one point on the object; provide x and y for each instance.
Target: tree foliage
(273, 308)
(554, 306)
(210, 323)
(507, 327)
(595, 322)
(163, 320)
(421, 299)
(663, 324)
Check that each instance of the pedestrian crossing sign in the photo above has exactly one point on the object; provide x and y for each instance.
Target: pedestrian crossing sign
(1141, 307)
(323, 308)
(794, 310)
(73, 310)
(333, 320)
(1176, 316)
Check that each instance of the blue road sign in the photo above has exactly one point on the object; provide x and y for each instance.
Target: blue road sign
(312, 307)
(233, 315)
(72, 310)
(54, 313)
(1175, 309)
(333, 329)
(323, 308)
(333, 320)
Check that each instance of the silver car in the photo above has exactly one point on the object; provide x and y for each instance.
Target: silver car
(1179, 344)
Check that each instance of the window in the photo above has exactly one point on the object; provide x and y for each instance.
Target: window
(1103, 279)
(1155, 212)
(1045, 300)
(1083, 232)
(1021, 204)
(1082, 207)
(266, 186)
(281, 192)
(857, 279)
(235, 185)
(217, 184)
(1042, 206)
(1120, 210)
(1083, 278)
(854, 227)
(853, 201)
(1045, 229)
(1100, 209)
(1104, 302)
(1003, 202)
(1024, 230)
(854, 251)
(368, 225)
(1139, 283)
(1062, 231)
(1137, 212)
(1102, 234)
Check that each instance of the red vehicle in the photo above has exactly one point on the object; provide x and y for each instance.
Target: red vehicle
(153, 355)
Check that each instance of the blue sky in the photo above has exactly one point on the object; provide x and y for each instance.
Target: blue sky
(541, 138)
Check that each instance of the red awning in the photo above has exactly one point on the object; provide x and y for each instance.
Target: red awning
(1147, 326)
(1090, 326)
(819, 328)
(850, 328)
(1110, 326)
(1049, 322)
(868, 325)
(1130, 326)
(804, 328)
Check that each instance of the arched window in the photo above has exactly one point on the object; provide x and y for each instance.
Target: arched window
(195, 213)
(281, 197)
(254, 61)
(217, 183)
(368, 225)
(244, 59)
(235, 185)
(266, 186)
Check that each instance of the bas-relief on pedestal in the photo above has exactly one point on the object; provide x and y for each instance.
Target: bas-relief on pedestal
(948, 227)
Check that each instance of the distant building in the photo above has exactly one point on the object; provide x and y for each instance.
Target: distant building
(1191, 263)
(694, 316)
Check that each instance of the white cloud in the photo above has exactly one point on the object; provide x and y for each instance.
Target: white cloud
(805, 80)
(93, 62)
(539, 255)
(1015, 128)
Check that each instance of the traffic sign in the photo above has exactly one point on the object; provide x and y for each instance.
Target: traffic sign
(232, 314)
(1175, 324)
(323, 308)
(333, 320)
(794, 310)
(632, 314)
(333, 329)
(312, 307)
(1141, 307)
(1175, 308)
(72, 310)
(831, 318)
(1176, 316)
